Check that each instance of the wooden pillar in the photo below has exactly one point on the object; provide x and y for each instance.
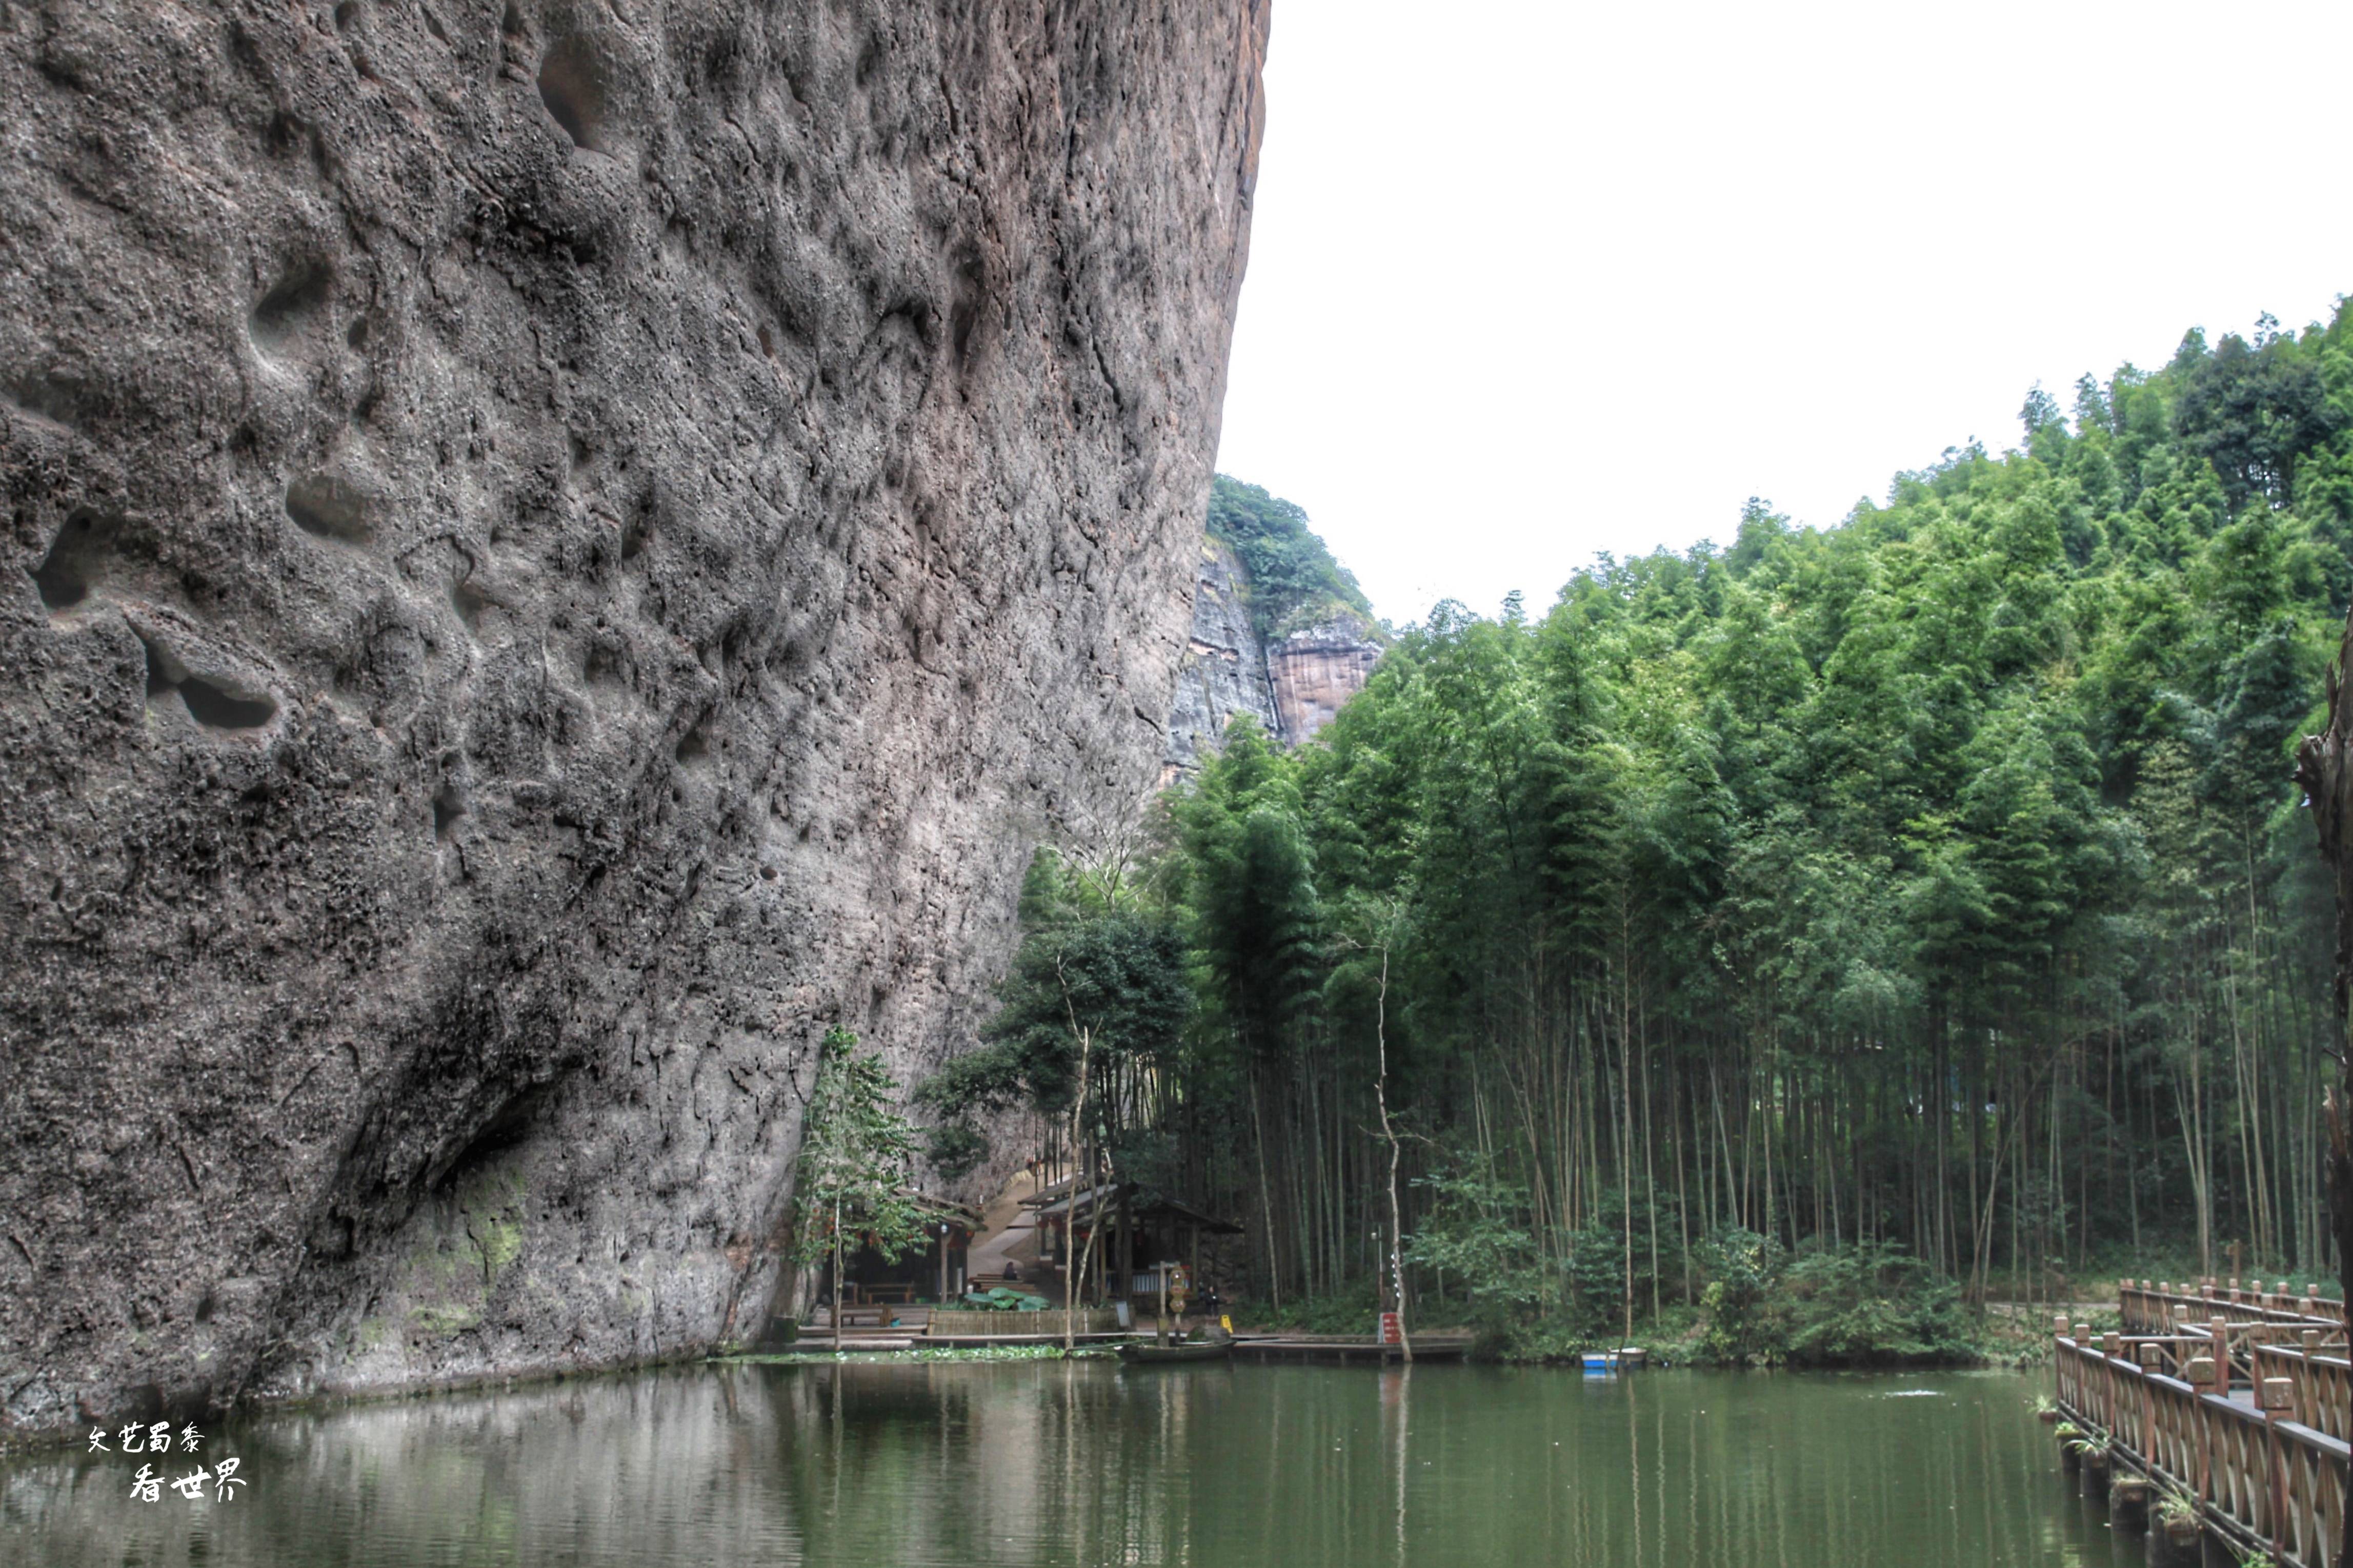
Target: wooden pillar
(2129, 1501)
(1126, 1235)
(2089, 1371)
(2095, 1485)
(2277, 1397)
(2061, 1369)
(2200, 1375)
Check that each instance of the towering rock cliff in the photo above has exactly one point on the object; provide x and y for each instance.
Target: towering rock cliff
(1223, 669)
(1287, 653)
(1317, 668)
(555, 548)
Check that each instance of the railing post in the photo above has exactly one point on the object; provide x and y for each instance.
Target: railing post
(2307, 1380)
(2200, 1375)
(2277, 1394)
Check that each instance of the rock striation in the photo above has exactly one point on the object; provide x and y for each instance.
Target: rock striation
(1223, 669)
(555, 549)
(1316, 669)
(1292, 686)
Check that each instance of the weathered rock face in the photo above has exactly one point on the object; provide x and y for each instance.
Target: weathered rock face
(1223, 669)
(1292, 687)
(1316, 669)
(555, 549)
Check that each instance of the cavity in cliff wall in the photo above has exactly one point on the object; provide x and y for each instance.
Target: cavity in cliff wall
(555, 549)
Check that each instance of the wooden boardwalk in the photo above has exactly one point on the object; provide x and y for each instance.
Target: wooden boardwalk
(2235, 1403)
(1344, 1348)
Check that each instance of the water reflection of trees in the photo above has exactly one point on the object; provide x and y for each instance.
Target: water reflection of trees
(1054, 1463)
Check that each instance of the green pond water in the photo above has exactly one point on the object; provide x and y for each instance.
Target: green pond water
(1029, 1464)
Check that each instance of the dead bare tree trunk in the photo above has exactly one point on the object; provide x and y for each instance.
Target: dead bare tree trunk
(1389, 1130)
(2325, 769)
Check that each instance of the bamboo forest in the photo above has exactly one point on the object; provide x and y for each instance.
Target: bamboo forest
(1927, 894)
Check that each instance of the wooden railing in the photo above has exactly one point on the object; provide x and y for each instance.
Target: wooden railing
(1047, 1323)
(2250, 1429)
(2160, 1305)
(2320, 1382)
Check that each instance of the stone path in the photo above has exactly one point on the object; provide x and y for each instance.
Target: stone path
(1009, 1233)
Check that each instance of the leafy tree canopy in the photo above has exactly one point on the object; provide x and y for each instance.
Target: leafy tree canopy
(1293, 579)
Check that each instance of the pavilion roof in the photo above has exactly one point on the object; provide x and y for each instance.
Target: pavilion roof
(1058, 1202)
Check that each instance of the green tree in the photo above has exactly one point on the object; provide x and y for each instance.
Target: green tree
(1292, 577)
(856, 1161)
(1926, 886)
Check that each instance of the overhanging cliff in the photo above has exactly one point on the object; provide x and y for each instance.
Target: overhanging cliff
(556, 549)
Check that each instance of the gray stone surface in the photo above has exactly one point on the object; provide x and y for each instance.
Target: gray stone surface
(1292, 688)
(1315, 670)
(553, 550)
(1223, 669)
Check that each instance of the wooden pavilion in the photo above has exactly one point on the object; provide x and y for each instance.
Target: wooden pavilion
(1142, 1233)
(934, 1272)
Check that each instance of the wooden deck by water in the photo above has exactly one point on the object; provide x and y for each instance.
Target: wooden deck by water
(2238, 1401)
(1344, 1349)
(907, 1328)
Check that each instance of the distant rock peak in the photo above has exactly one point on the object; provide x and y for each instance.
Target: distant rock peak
(1315, 669)
(1292, 685)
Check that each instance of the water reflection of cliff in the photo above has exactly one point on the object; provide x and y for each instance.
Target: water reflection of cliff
(1026, 1466)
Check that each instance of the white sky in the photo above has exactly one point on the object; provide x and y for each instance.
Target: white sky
(1533, 280)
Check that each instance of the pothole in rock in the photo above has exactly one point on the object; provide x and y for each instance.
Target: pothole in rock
(329, 509)
(77, 559)
(448, 805)
(54, 398)
(469, 603)
(294, 304)
(212, 701)
(572, 86)
(603, 671)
